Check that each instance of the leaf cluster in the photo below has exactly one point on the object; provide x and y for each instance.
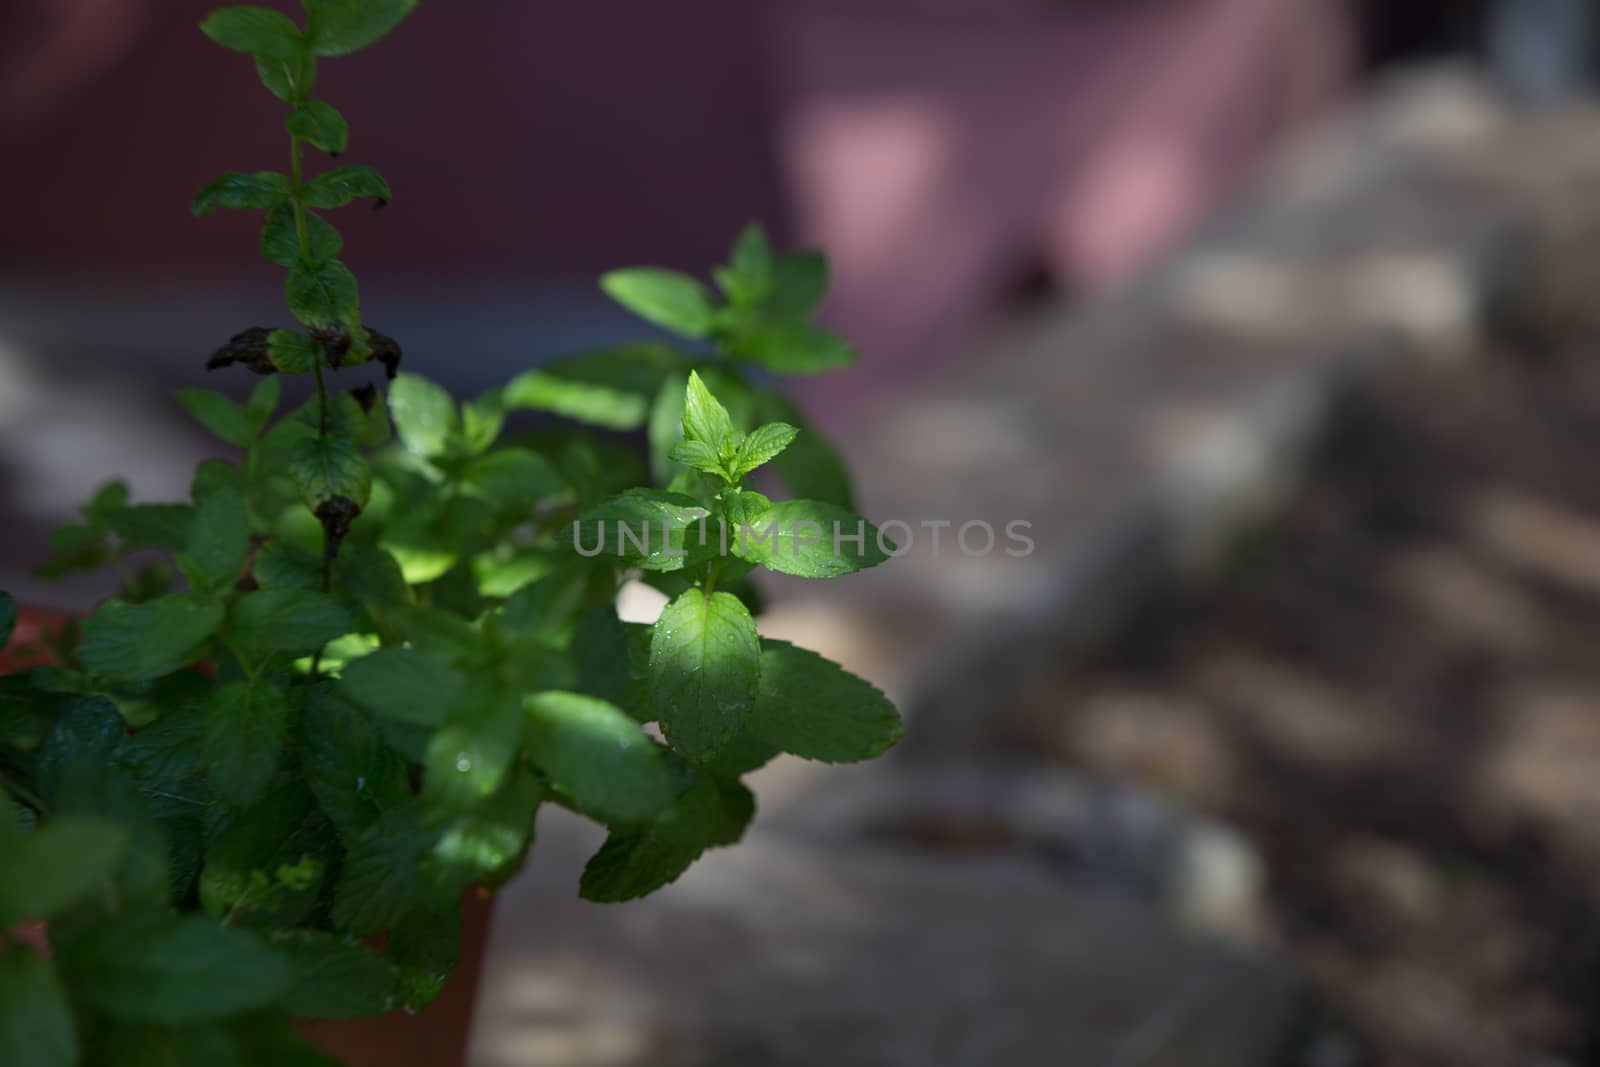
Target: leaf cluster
(338, 682)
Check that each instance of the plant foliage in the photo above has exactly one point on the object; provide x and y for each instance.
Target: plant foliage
(338, 682)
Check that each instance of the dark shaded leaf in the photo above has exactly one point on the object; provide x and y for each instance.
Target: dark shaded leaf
(280, 240)
(634, 862)
(36, 1025)
(339, 186)
(321, 125)
(339, 27)
(126, 642)
(336, 977)
(258, 191)
(245, 724)
(167, 969)
(256, 31)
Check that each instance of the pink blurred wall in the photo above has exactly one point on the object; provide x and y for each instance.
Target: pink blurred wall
(939, 158)
(518, 136)
(936, 155)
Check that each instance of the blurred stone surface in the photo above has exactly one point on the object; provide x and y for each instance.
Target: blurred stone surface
(788, 951)
(1136, 434)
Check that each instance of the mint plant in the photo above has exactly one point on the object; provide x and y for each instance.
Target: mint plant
(337, 683)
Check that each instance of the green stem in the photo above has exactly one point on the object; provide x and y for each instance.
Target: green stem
(297, 172)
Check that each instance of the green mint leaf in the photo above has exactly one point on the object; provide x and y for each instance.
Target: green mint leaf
(637, 861)
(341, 185)
(219, 540)
(353, 774)
(74, 547)
(364, 421)
(380, 881)
(424, 949)
(26, 716)
(52, 868)
(211, 475)
(323, 294)
(704, 418)
(288, 79)
(291, 352)
(700, 456)
(88, 782)
(597, 757)
(36, 1025)
(256, 31)
(282, 566)
(666, 298)
(373, 577)
(280, 241)
(268, 867)
(742, 755)
(263, 401)
(742, 508)
(797, 348)
(705, 661)
(612, 388)
(546, 607)
(298, 621)
(749, 275)
(512, 477)
(439, 633)
(336, 977)
(424, 415)
(656, 530)
(469, 757)
(228, 420)
(799, 281)
(321, 125)
(126, 642)
(810, 539)
(88, 731)
(122, 1044)
(481, 420)
(339, 27)
(163, 526)
(398, 683)
(762, 445)
(259, 191)
(172, 970)
(245, 724)
(163, 757)
(326, 467)
(109, 497)
(815, 709)
(269, 1039)
(486, 846)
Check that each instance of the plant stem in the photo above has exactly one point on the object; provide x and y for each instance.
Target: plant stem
(297, 172)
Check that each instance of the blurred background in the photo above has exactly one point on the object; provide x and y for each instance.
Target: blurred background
(1346, 746)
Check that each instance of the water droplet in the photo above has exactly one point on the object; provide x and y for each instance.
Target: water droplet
(463, 764)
